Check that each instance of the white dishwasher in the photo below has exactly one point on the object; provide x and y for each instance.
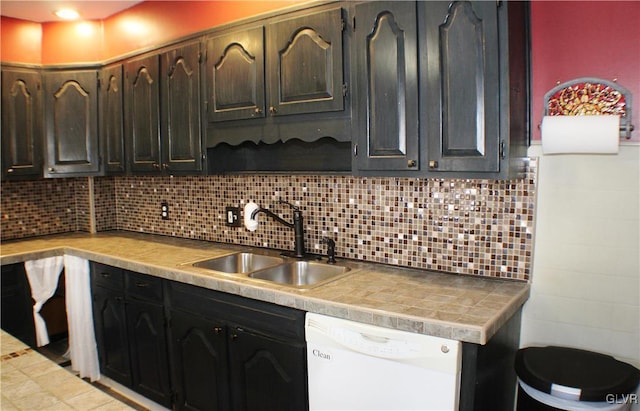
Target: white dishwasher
(355, 366)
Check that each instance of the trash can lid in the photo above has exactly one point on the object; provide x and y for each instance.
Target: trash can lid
(588, 375)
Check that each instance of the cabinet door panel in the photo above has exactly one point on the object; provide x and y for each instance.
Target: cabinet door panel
(142, 114)
(462, 42)
(235, 70)
(267, 374)
(21, 123)
(387, 82)
(71, 113)
(112, 125)
(200, 355)
(111, 334)
(305, 64)
(181, 126)
(149, 361)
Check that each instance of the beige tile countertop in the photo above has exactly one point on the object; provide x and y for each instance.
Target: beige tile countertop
(464, 308)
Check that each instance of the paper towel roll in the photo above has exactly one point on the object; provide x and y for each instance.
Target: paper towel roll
(250, 223)
(580, 134)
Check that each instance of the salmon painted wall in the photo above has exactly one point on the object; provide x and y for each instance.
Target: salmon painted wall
(142, 26)
(584, 39)
(20, 41)
(156, 22)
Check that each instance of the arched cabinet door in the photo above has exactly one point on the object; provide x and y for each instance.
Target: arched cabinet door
(385, 75)
(142, 113)
(181, 137)
(235, 75)
(463, 86)
(71, 123)
(112, 118)
(305, 64)
(21, 123)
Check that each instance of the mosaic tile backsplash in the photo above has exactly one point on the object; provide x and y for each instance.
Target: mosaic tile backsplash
(477, 227)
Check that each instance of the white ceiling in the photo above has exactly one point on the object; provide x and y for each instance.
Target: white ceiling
(42, 11)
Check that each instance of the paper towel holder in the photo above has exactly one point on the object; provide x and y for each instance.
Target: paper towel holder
(591, 96)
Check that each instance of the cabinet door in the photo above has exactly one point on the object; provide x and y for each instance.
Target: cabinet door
(142, 110)
(112, 121)
(181, 120)
(200, 363)
(267, 374)
(111, 334)
(21, 123)
(463, 86)
(71, 122)
(235, 75)
(386, 80)
(304, 57)
(147, 341)
(16, 304)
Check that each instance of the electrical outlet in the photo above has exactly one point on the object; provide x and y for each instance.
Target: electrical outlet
(232, 216)
(164, 210)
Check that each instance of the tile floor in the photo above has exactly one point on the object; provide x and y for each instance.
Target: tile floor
(30, 381)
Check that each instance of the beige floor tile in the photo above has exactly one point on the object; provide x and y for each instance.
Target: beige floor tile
(40, 368)
(16, 391)
(114, 405)
(89, 400)
(37, 400)
(10, 375)
(27, 360)
(6, 405)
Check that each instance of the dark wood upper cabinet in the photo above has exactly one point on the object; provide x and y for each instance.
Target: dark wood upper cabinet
(475, 87)
(181, 127)
(463, 52)
(235, 73)
(142, 113)
(22, 130)
(385, 77)
(304, 63)
(112, 119)
(71, 123)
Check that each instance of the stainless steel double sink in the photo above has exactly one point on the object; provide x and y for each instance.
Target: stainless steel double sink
(299, 274)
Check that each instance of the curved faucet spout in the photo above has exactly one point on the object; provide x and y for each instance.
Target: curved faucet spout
(272, 215)
(297, 225)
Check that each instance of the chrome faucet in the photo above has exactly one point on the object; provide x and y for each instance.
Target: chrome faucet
(297, 225)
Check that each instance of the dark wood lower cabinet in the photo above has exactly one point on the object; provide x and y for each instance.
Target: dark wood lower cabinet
(17, 305)
(190, 348)
(148, 348)
(200, 363)
(266, 373)
(110, 323)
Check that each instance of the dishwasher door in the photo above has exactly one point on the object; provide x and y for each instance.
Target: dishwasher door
(355, 366)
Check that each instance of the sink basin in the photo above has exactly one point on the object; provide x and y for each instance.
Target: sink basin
(301, 274)
(240, 263)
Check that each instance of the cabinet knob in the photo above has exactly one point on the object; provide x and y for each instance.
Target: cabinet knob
(10, 170)
(257, 111)
(411, 163)
(234, 336)
(273, 110)
(51, 170)
(165, 166)
(217, 330)
(433, 164)
(156, 166)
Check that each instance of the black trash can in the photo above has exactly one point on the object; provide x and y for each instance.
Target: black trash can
(560, 378)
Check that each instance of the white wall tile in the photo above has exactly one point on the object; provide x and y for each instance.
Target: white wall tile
(586, 268)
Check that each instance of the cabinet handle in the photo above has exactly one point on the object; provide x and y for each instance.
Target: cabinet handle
(105, 275)
(433, 164)
(411, 163)
(156, 166)
(273, 110)
(10, 170)
(217, 330)
(142, 285)
(165, 166)
(234, 337)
